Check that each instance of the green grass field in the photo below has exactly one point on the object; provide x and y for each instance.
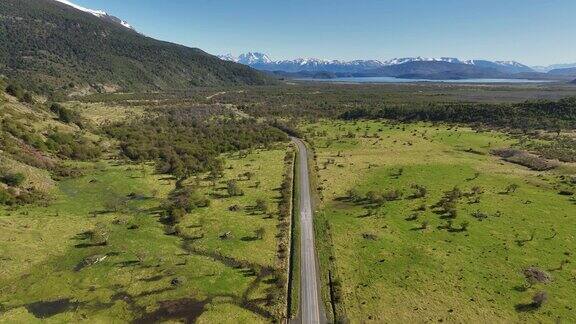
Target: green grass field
(48, 271)
(391, 268)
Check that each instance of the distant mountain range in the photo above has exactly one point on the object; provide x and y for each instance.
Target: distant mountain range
(410, 67)
(549, 68)
(52, 45)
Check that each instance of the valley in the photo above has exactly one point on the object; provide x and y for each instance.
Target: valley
(148, 181)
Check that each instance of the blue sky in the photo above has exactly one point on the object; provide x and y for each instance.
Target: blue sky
(534, 32)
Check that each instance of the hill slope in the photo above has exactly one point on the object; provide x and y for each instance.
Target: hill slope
(50, 45)
(570, 72)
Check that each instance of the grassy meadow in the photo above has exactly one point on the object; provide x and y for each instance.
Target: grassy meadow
(214, 270)
(396, 255)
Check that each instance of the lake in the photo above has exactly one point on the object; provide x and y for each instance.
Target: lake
(400, 80)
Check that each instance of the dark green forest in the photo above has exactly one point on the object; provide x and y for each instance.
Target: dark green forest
(542, 114)
(184, 141)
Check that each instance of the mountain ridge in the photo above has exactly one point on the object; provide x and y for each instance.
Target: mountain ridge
(51, 46)
(263, 62)
(98, 13)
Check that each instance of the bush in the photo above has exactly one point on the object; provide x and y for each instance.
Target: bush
(6, 198)
(233, 189)
(12, 179)
(15, 90)
(66, 115)
(186, 199)
(27, 98)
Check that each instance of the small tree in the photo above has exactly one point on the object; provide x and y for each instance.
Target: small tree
(262, 205)
(115, 204)
(539, 299)
(233, 189)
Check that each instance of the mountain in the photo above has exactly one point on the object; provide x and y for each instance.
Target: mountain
(50, 45)
(435, 70)
(548, 68)
(573, 82)
(98, 13)
(416, 67)
(570, 72)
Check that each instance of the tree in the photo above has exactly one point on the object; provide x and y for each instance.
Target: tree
(539, 299)
(233, 189)
(262, 205)
(115, 203)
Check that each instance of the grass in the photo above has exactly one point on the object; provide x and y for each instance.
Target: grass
(207, 279)
(295, 249)
(392, 270)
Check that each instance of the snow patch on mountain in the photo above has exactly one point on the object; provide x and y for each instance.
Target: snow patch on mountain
(97, 13)
(263, 61)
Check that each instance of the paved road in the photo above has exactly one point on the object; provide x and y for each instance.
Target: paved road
(310, 305)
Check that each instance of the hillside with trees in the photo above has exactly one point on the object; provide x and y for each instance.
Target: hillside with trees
(51, 46)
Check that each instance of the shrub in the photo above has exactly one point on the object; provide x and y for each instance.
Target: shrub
(15, 90)
(12, 179)
(233, 189)
(6, 198)
(535, 275)
(262, 205)
(186, 199)
(391, 195)
(419, 191)
(539, 299)
(479, 215)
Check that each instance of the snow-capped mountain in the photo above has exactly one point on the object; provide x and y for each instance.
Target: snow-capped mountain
(262, 61)
(249, 58)
(98, 13)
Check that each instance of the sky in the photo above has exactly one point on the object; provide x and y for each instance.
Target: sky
(533, 32)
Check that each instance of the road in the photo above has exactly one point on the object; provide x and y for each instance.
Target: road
(310, 304)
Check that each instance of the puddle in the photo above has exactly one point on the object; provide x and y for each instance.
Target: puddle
(186, 309)
(46, 309)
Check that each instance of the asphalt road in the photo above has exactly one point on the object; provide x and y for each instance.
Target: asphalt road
(310, 304)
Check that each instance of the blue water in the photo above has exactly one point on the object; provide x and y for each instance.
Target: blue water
(399, 80)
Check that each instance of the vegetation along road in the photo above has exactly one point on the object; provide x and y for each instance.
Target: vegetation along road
(310, 311)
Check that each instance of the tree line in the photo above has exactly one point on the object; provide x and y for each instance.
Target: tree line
(542, 114)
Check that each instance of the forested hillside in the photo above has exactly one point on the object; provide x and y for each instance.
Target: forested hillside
(48, 46)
